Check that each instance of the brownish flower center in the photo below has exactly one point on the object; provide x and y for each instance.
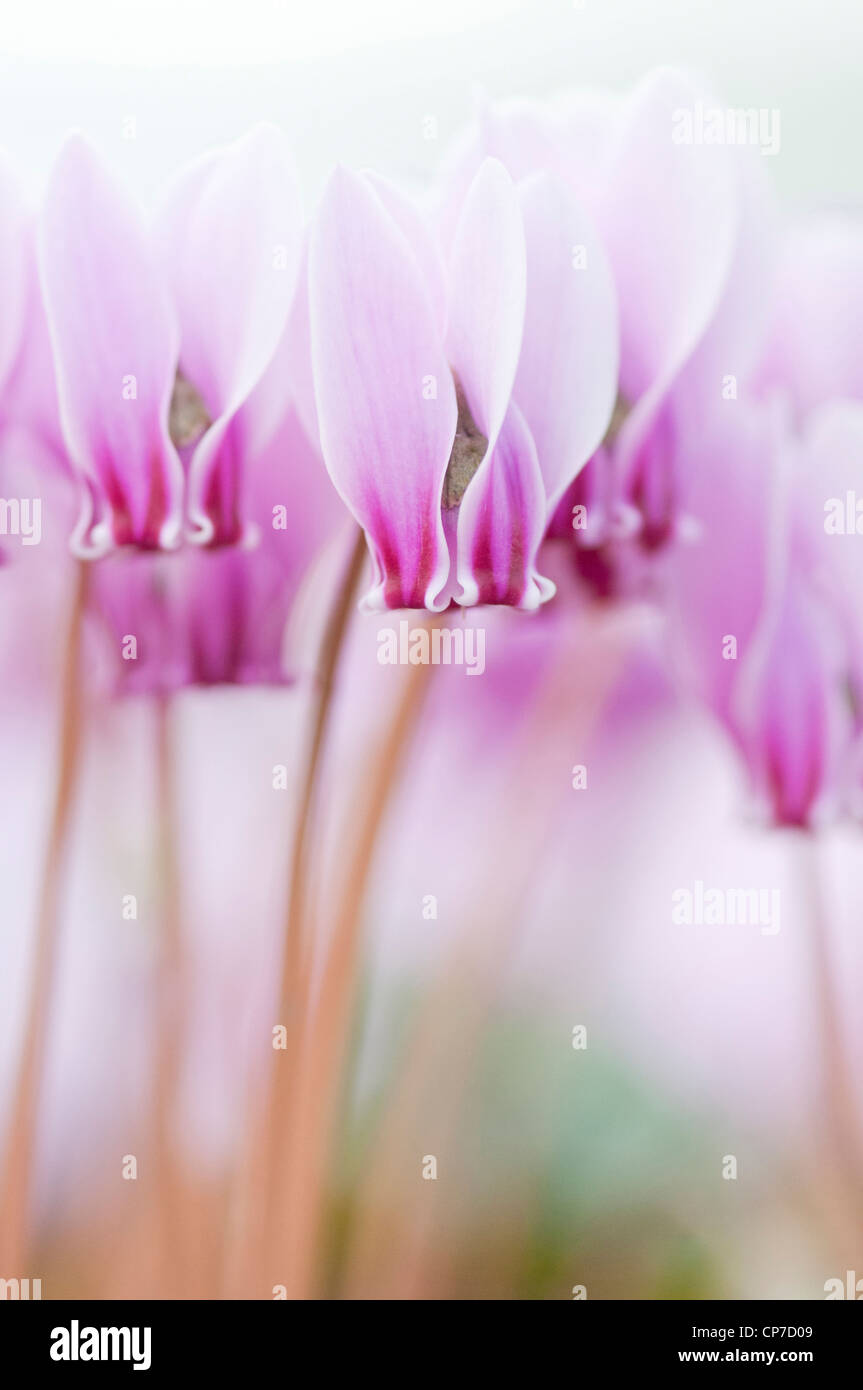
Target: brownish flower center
(468, 451)
(618, 416)
(188, 419)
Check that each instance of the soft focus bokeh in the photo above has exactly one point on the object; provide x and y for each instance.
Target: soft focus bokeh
(548, 1085)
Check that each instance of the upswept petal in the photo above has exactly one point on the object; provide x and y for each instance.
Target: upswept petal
(237, 602)
(115, 344)
(288, 380)
(217, 617)
(800, 719)
(668, 220)
(586, 125)
(230, 238)
(15, 232)
(831, 511)
(28, 394)
(813, 348)
(487, 286)
(723, 585)
(518, 133)
(408, 217)
(501, 523)
(521, 134)
(385, 397)
(736, 337)
(567, 373)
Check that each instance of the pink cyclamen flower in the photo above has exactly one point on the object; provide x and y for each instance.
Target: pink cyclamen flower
(763, 640)
(672, 216)
(217, 616)
(456, 403)
(15, 238)
(812, 352)
(832, 506)
(160, 336)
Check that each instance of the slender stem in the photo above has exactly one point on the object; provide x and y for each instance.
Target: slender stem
(396, 1249)
(331, 650)
(169, 1027)
(15, 1187)
(839, 1089)
(294, 980)
(298, 1217)
(254, 1192)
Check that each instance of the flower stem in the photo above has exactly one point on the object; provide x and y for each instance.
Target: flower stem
(838, 1096)
(298, 1214)
(331, 650)
(17, 1177)
(397, 1247)
(252, 1200)
(169, 1041)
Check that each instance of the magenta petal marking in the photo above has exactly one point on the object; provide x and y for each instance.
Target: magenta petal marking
(501, 524)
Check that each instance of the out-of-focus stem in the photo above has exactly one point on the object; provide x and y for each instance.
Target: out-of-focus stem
(15, 1191)
(299, 1216)
(841, 1125)
(258, 1183)
(397, 1249)
(331, 649)
(170, 1263)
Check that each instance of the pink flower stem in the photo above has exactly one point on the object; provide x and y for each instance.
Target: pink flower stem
(251, 1203)
(838, 1104)
(300, 1205)
(397, 1248)
(17, 1173)
(170, 1260)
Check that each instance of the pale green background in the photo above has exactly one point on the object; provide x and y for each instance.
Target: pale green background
(352, 81)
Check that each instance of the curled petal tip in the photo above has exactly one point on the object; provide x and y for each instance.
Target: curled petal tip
(200, 530)
(93, 542)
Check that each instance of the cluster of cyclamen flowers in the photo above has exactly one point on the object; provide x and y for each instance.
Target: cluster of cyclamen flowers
(587, 334)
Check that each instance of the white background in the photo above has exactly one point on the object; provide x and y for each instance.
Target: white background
(354, 81)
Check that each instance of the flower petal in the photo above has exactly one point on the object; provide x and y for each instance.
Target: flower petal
(736, 337)
(419, 237)
(115, 343)
(385, 397)
(501, 523)
(831, 485)
(230, 234)
(719, 590)
(238, 607)
(567, 373)
(668, 219)
(217, 617)
(799, 722)
(518, 133)
(14, 247)
(288, 380)
(487, 288)
(814, 340)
